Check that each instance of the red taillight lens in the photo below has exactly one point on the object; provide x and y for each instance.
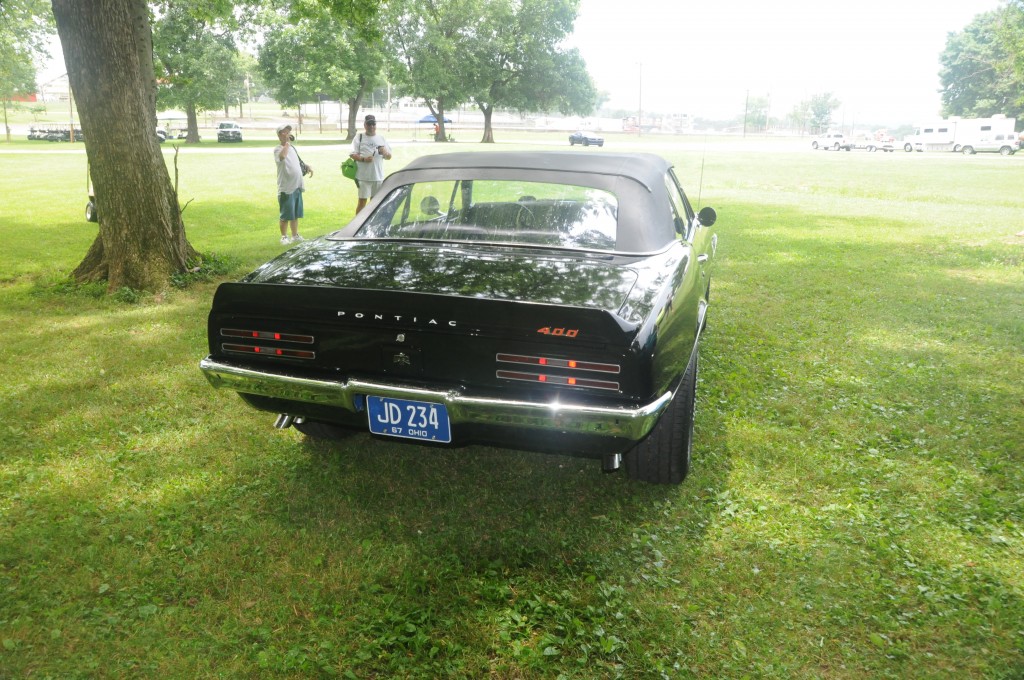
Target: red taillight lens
(567, 365)
(269, 351)
(266, 335)
(549, 379)
(264, 349)
(551, 362)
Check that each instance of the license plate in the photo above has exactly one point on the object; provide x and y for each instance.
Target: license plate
(420, 420)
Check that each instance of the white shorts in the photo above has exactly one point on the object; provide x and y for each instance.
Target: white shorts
(367, 189)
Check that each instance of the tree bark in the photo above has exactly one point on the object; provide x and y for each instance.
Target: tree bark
(441, 135)
(353, 109)
(192, 116)
(108, 51)
(488, 137)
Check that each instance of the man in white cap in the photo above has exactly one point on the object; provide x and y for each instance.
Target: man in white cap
(369, 151)
(289, 183)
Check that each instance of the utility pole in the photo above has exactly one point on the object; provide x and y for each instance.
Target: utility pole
(746, 107)
(640, 101)
(248, 94)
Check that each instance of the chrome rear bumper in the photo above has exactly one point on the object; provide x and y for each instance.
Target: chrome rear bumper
(557, 416)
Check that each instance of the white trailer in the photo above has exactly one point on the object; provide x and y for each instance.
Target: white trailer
(964, 135)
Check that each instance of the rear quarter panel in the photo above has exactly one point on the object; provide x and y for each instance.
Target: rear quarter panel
(668, 297)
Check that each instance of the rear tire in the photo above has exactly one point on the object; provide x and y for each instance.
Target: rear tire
(90, 212)
(968, 150)
(1005, 151)
(664, 456)
(324, 431)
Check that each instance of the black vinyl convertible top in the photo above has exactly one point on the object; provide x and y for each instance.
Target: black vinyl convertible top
(637, 180)
(646, 168)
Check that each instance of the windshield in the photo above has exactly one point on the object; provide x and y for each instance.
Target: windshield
(497, 211)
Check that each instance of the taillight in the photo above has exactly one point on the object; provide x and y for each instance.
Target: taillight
(264, 346)
(266, 335)
(558, 371)
(551, 362)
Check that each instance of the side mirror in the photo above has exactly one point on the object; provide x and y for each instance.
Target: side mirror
(707, 216)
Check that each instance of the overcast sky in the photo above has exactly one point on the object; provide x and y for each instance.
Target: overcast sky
(880, 58)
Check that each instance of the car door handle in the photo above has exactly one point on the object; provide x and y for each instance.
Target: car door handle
(702, 258)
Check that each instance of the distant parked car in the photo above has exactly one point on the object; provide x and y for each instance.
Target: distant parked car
(586, 139)
(1006, 145)
(831, 140)
(229, 131)
(869, 143)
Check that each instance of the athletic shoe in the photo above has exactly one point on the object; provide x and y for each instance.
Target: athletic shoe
(285, 240)
(297, 238)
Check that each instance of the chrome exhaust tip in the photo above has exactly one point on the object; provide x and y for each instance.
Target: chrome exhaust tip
(284, 421)
(611, 462)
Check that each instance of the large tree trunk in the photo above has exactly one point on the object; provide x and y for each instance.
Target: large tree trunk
(353, 110)
(108, 51)
(7, 127)
(440, 135)
(487, 110)
(193, 124)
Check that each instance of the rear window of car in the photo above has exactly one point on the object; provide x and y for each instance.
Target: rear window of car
(498, 211)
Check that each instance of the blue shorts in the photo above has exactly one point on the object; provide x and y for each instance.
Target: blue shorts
(291, 205)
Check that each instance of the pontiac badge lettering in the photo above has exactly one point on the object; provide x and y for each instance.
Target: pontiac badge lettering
(397, 318)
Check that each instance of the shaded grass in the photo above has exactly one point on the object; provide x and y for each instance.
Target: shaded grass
(855, 507)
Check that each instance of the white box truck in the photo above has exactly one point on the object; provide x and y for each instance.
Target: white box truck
(965, 135)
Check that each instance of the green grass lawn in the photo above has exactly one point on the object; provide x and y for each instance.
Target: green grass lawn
(855, 507)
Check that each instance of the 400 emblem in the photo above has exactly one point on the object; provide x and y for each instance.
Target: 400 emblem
(562, 332)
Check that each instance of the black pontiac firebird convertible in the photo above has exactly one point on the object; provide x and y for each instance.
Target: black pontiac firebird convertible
(539, 300)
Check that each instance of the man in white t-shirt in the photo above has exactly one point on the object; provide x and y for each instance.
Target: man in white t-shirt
(289, 183)
(369, 151)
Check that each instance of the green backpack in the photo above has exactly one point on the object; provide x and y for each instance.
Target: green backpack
(348, 166)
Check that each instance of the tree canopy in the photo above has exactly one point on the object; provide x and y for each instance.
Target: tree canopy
(518, 62)
(196, 62)
(434, 41)
(1011, 31)
(977, 68)
(315, 53)
(821, 107)
(496, 53)
(24, 27)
